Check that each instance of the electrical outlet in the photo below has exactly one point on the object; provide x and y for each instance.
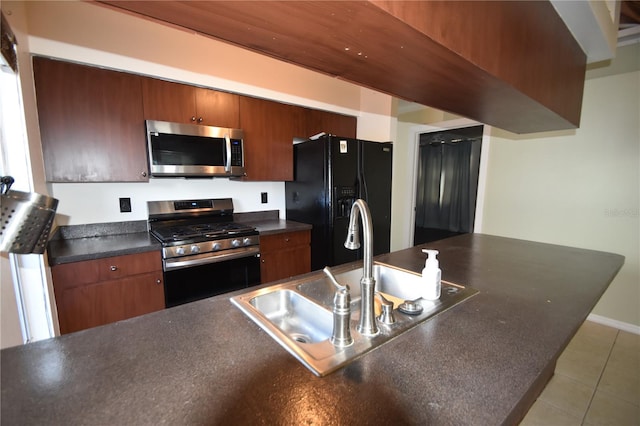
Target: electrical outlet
(263, 197)
(125, 205)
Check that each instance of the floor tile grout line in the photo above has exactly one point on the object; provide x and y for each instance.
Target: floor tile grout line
(595, 389)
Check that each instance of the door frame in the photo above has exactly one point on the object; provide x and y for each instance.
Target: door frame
(414, 140)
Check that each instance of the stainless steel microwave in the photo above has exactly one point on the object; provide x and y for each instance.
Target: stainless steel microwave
(191, 150)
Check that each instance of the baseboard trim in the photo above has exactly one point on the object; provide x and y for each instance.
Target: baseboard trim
(624, 326)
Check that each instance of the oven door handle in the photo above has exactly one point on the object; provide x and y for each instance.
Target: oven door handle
(206, 258)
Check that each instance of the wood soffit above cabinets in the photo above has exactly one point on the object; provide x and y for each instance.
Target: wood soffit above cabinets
(513, 65)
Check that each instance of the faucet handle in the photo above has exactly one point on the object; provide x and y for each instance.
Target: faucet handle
(341, 335)
(342, 288)
(386, 316)
(342, 298)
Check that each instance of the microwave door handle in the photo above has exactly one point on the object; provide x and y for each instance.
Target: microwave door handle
(227, 166)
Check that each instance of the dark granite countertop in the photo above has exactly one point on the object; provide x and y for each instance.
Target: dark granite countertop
(94, 241)
(483, 362)
(268, 222)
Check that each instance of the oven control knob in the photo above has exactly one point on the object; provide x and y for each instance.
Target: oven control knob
(235, 243)
(195, 249)
(246, 241)
(216, 246)
(180, 251)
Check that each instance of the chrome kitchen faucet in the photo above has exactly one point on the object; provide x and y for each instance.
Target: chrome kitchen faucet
(367, 325)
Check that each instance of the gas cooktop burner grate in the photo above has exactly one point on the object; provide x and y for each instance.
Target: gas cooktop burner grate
(205, 231)
(195, 221)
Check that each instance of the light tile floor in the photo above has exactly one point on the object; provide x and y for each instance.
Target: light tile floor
(596, 382)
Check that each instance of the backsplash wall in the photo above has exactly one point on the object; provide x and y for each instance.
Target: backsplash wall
(82, 203)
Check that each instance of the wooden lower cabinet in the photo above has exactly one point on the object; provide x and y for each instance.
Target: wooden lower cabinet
(285, 255)
(96, 292)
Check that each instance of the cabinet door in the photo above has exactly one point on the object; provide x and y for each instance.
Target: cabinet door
(142, 294)
(216, 108)
(109, 301)
(168, 101)
(182, 103)
(284, 255)
(299, 118)
(317, 121)
(91, 123)
(284, 264)
(268, 138)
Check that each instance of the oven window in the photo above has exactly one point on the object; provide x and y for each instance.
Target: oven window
(199, 282)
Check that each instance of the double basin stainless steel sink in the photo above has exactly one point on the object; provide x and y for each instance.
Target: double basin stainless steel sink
(298, 313)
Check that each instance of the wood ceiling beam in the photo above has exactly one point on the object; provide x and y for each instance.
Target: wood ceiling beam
(513, 65)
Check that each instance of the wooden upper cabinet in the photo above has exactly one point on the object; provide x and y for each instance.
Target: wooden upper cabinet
(217, 108)
(317, 121)
(181, 103)
(269, 129)
(91, 123)
(268, 139)
(167, 101)
(308, 122)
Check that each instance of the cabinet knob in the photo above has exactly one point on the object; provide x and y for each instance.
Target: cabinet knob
(286, 240)
(193, 118)
(200, 120)
(113, 268)
(143, 174)
(262, 260)
(158, 281)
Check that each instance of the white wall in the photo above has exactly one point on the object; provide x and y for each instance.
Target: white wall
(402, 187)
(578, 188)
(82, 203)
(26, 307)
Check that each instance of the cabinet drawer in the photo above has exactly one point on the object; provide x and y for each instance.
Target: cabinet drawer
(91, 271)
(284, 241)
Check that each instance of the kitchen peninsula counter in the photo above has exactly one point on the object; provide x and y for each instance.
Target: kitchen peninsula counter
(483, 362)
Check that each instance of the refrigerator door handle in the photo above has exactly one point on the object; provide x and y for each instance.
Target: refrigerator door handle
(362, 186)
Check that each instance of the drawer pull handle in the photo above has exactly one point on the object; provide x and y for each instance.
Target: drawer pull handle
(286, 240)
(158, 281)
(114, 268)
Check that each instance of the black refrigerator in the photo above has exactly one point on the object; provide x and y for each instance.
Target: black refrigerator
(330, 173)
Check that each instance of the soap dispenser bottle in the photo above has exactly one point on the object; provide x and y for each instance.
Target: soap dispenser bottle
(431, 276)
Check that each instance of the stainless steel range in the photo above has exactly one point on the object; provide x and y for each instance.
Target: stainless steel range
(204, 252)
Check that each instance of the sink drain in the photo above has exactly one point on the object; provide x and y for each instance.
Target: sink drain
(301, 338)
